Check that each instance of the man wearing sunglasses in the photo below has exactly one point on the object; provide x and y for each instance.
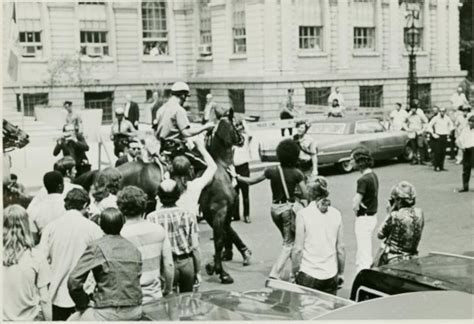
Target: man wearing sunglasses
(133, 153)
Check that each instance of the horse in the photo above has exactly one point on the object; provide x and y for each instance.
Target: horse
(143, 175)
(218, 199)
(13, 137)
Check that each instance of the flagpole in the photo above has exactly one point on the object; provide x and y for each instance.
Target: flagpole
(22, 105)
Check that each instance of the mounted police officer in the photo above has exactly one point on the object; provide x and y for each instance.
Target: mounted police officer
(173, 126)
(122, 131)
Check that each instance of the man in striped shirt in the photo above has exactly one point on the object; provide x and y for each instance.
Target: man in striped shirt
(151, 240)
(183, 234)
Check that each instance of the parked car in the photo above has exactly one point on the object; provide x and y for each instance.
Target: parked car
(336, 138)
(436, 271)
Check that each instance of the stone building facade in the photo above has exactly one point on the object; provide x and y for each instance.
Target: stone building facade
(246, 52)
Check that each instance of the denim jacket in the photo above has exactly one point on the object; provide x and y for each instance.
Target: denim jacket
(117, 266)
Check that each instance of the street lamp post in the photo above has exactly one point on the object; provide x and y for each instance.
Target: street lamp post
(412, 41)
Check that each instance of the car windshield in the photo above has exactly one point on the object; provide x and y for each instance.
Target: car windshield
(262, 304)
(450, 270)
(327, 128)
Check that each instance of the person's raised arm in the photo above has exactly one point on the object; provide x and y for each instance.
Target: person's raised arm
(211, 165)
(386, 227)
(190, 132)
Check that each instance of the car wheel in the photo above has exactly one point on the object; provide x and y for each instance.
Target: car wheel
(407, 154)
(345, 166)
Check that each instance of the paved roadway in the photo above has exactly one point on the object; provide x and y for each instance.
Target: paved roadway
(448, 221)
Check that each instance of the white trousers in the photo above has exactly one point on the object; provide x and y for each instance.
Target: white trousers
(364, 228)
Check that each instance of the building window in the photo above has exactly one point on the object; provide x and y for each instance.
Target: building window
(94, 43)
(155, 28)
(370, 96)
(363, 17)
(100, 100)
(317, 96)
(238, 27)
(30, 101)
(424, 96)
(310, 20)
(93, 29)
(237, 100)
(28, 15)
(364, 38)
(205, 35)
(201, 96)
(30, 43)
(310, 37)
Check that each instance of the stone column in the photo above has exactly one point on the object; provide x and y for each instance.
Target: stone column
(270, 36)
(287, 35)
(442, 42)
(394, 40)
(343, 33)
(453, 36)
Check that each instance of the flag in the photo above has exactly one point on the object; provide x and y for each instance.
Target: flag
(13, 60)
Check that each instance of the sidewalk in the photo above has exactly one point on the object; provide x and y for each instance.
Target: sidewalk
(32, 162)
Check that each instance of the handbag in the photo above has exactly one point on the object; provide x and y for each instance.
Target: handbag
(294, 206)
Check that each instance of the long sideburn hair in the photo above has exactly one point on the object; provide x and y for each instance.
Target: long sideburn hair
(16, 234)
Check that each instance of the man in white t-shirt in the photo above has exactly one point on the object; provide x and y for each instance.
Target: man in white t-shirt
(458, 99)
(398, 117)
(63, 242)
(319, 247)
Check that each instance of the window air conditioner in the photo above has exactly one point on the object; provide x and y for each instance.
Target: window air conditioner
(205, 49)
(29, 51)
(95, 50)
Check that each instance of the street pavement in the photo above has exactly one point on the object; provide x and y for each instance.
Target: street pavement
(448, 222)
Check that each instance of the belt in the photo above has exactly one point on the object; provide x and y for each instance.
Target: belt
(182, 256)
(366, 215)
(282, 201)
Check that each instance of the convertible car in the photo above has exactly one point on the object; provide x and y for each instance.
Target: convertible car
(281, 301)
(435, 271)
(336, 138)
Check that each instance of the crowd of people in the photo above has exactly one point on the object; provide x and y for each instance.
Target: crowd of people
(431, 137)
(65, 254)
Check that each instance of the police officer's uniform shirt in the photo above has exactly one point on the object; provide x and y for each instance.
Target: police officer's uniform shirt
(171, 119)
(125, 126)
(466, 139)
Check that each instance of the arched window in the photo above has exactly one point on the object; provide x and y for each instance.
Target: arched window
(155, 28)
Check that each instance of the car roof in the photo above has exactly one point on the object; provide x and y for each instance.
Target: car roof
(270, 303)
(440, 270)
(344, 120)
(415, 305)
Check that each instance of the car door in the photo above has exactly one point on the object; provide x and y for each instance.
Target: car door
(375, 137)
